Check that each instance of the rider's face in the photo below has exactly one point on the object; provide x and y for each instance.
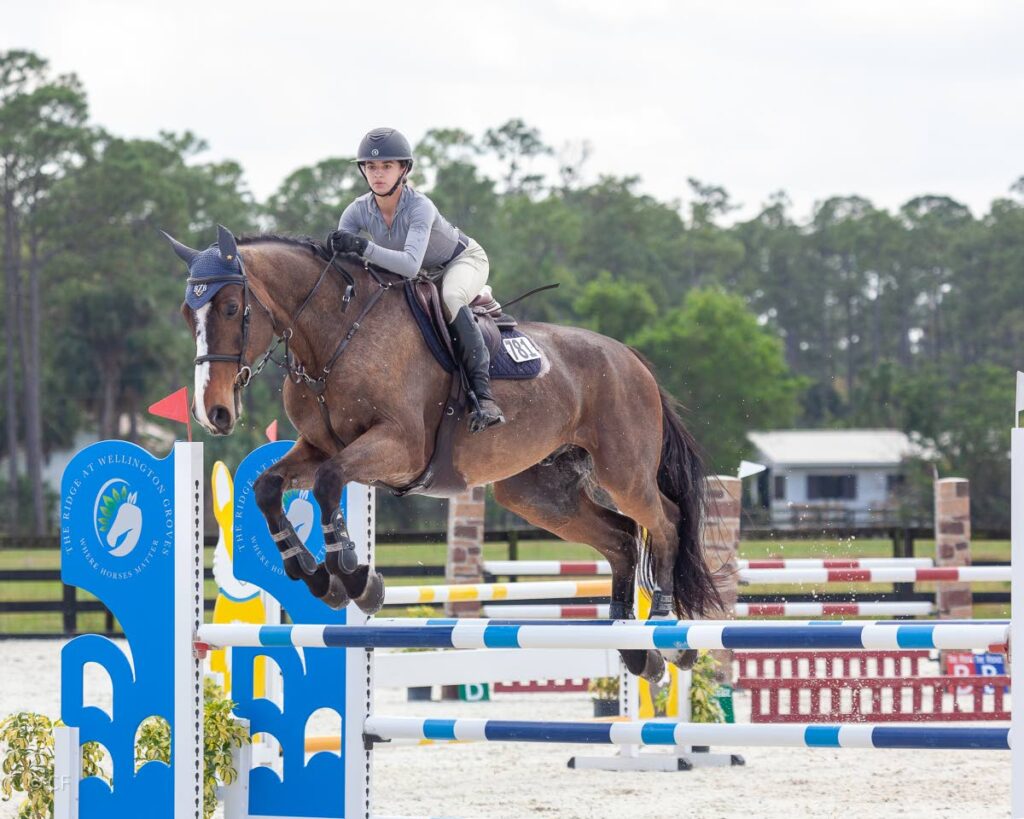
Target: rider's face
(382, 175)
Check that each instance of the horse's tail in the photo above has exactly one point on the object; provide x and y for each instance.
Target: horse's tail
(682, 478)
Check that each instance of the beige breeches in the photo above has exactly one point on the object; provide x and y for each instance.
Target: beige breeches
(464, 278)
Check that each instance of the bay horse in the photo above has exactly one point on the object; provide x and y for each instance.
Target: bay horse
(593, 449)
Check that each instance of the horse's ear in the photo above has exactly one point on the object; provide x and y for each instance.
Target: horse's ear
(184, 252)
(226, 244)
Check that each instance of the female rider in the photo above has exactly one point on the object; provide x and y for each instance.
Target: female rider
(407, 234)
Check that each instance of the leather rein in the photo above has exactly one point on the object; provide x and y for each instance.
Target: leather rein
(296, 371)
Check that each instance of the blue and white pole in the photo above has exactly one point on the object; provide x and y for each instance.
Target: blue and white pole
(653, 732)
(659, 634)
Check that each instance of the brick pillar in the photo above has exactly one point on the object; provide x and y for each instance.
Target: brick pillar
(465, 562)
(721, 547)
(953, 545)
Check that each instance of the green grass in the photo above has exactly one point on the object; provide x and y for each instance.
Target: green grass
(434, 555)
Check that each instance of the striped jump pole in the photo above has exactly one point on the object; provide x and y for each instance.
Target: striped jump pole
(837, 563)
(576, 568)
(577, 612)
(541, 590)
(623, 634)
(880, 609)
(557, 589)
(544, 611)
(653, 732)
(895, 574)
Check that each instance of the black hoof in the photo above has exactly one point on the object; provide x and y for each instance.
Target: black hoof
(336, 597)
(635, 661)
(654, 668)
(318, 583)
(355, 583)
(372, 598)
(684, 660)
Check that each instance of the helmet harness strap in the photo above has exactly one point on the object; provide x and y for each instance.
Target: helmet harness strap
(401, 179)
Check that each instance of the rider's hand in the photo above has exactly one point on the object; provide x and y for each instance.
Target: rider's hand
(341, 241)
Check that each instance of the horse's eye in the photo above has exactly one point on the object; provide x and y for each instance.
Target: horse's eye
(231, 309)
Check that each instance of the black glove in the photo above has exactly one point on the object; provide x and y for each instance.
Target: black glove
(341, 241)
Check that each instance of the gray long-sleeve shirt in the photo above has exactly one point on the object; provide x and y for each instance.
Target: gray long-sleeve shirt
(419, 236)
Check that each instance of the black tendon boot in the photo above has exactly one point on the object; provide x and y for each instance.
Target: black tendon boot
(476, 361)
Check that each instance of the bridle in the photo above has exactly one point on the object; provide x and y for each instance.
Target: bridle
(296, 371)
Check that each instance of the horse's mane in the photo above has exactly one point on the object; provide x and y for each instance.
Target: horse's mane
(314, 246)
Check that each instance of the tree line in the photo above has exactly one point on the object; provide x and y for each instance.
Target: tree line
(857, 316)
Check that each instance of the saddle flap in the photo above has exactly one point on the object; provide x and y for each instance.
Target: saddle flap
(430, 300)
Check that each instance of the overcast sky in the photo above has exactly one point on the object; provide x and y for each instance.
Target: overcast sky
(885, 99)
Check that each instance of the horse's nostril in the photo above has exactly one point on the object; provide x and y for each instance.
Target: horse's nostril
(220, 417)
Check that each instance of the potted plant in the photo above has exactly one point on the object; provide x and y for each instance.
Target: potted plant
(419, 693)
(704, 703)
(605, 696)
(27, 761)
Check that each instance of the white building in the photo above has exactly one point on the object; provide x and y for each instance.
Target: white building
(838, 477)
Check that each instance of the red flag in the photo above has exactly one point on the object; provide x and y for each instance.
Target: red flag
(271, 431)
(175, 408)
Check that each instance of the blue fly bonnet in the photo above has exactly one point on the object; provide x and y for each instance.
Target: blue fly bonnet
(211, 269)
(208, 272)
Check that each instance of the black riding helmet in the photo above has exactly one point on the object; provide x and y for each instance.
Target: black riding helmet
(381, 145)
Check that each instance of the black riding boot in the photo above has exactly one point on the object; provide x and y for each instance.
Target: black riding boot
(476, 361)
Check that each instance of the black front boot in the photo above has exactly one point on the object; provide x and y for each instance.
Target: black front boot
(476, 362)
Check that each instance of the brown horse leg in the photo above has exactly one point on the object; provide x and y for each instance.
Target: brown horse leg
(296, 469)
(659, 517)
(367, 459)
(658, 480)
(556, 496)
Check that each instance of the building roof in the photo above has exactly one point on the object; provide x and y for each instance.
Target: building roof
(834, 447)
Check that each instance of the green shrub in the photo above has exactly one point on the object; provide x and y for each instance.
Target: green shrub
(28, 761)
(604, 688)
(704, 705)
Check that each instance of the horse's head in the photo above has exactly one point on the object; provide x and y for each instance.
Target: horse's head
(228, 325)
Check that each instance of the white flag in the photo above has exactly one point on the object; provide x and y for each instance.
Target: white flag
(748, 468)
